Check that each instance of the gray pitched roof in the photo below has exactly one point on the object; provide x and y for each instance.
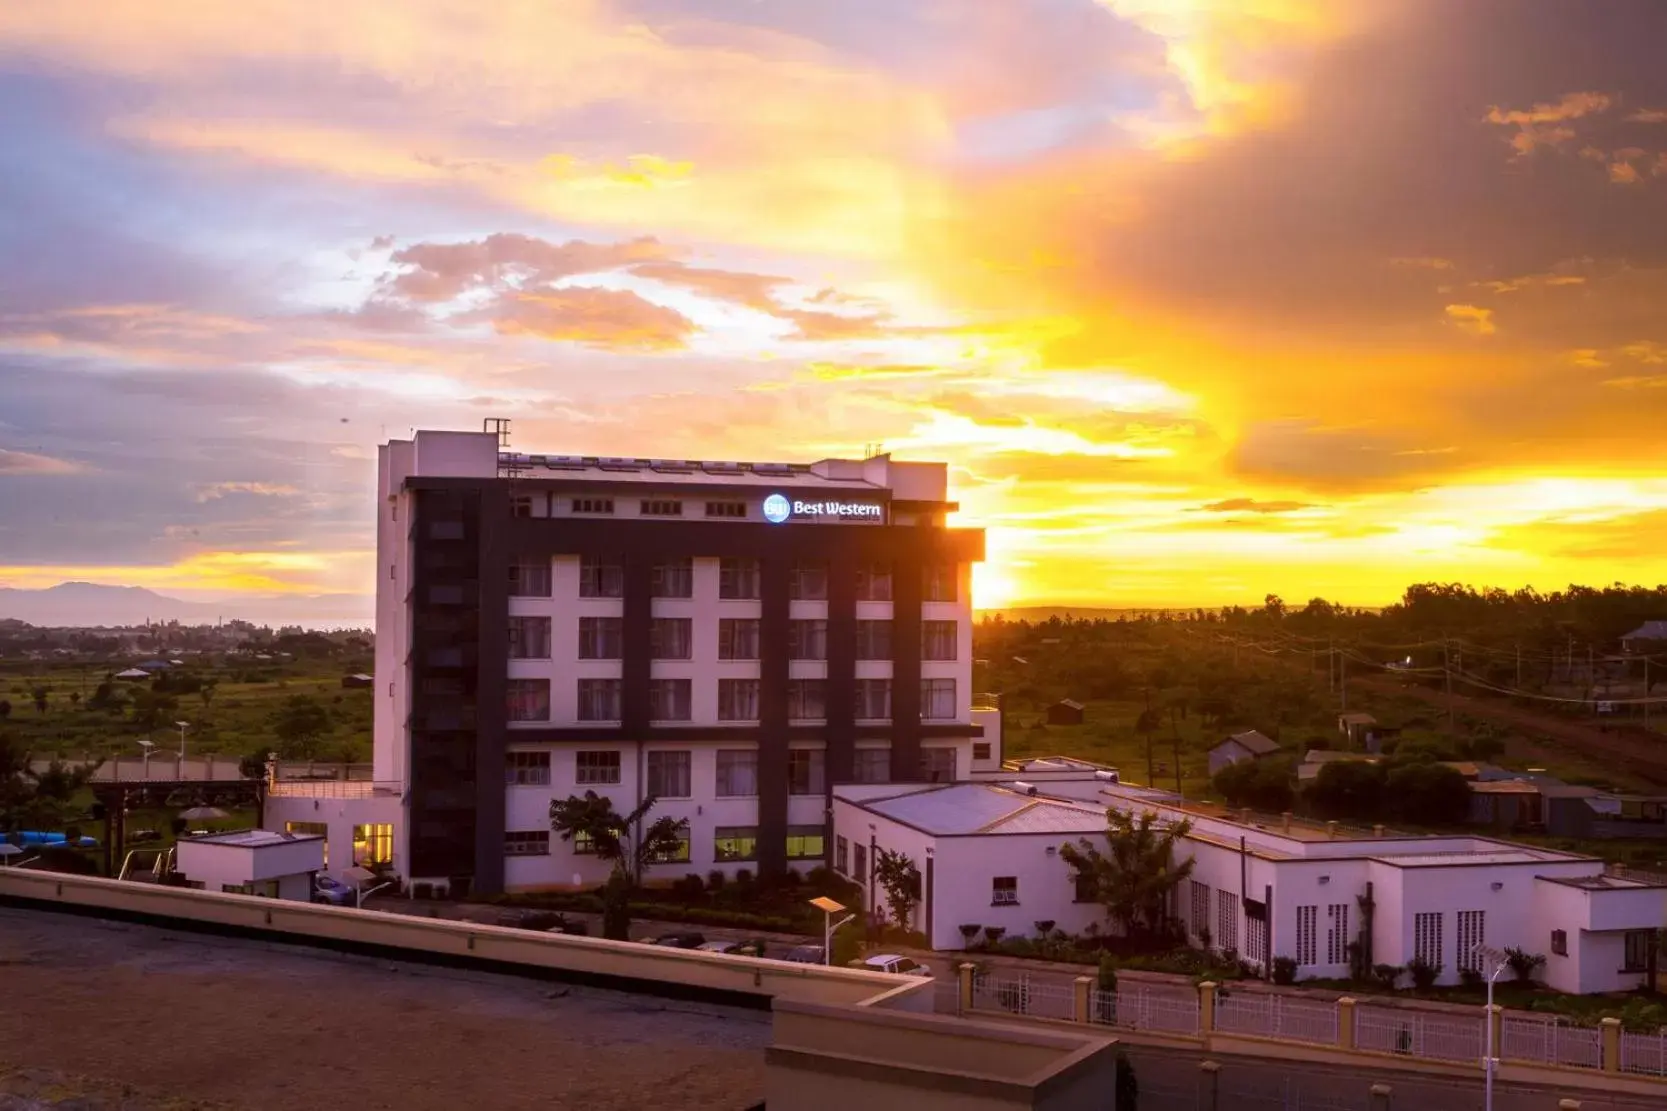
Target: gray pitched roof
(1254, 743)
(1649, 630)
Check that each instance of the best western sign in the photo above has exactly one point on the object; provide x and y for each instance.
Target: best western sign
(779, 508)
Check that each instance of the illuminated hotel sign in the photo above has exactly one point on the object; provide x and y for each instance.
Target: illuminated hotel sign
(779, 508)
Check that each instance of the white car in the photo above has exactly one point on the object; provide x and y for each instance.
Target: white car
(896, 965)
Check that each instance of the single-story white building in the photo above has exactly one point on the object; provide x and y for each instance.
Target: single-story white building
(988, 854)
(1249, 745)
(359, 822)
(252, 862)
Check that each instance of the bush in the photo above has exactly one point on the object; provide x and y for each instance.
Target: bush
(994, 934)
(1108, 973)
(971, 932)
(1523, 963)
(715, 880)
(1470, 978)
(792, 878)
(689, 887)
(1424, 973)
(743, 877)
(820, 875)
(1387, 975)
(1284, 970)
(1044, 927)
(1259, 784)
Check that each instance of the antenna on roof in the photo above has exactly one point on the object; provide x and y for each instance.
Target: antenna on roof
(873, 450)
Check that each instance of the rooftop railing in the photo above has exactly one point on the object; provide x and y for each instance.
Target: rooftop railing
(331, 789)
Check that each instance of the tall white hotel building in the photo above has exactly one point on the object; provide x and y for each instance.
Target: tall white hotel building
(733, 639)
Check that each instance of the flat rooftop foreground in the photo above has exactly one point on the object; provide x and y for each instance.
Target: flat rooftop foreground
(264, 1027)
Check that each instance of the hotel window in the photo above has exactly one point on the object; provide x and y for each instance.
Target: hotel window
(529, 638)
(529, 579)
(668, 775)
(1639, 945)
(871, 765)
(874, 583)
(737, 638)
(677, 854)
(599, 767)
(674, 578)
(670, 638)
(1308, 935)
(873, 699)
(1004, 891)
(522, 506)
(737, 699)
(527, 700)
(737, 773)
(1560, 943)
(804, 771)
(808, 583)
(583, 843)
(981, 750)
(738, 578)
(1199, 920)
(807, 699)
(668, 700)
(661, 507)
(526, 769)
(373, 844)
(320, 828)
(807, 639)
(599, 699)
(1227, 921)
(842, 855)
(601, 577)
(938, 640)
(1472, 926)
(940, 583)
(593, 505)
(937, 698)
(726, 509)
(735, 843)
(1337, 934)
(873, 640)
(601, 638)
(1426, 937)
(806, 843)
(527, 842)
(937, 765)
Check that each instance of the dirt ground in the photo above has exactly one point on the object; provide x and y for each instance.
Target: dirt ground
(98, 1015)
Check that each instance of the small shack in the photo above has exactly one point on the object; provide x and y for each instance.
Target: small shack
(1359, 729)
(1648, 638)
(252, 862)
(1066, 711)
(1249, 745)
(350, 682)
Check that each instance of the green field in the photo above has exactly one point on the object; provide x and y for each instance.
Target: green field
(235, 717)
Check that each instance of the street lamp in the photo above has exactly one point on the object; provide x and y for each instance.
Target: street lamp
(829, 908)
(359, 877)
(183, 725)
(1499, 960)
(149, 746)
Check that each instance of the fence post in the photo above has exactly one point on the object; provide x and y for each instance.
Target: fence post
(1496, 1018)
(1207, 1007)
(963, 974)
(1380, 1094)
(1209, 1085)
(1345, 1023)
(1611, 1044)
(1082, 989)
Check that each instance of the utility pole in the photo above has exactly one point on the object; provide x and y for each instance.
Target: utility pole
(1343, 681)
(1519, 665)
(1330, 666)
(1646, 692)
(1150, 774)
(1447, 671)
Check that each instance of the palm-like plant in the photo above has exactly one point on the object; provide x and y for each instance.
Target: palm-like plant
(620, 839)
(1136, 871)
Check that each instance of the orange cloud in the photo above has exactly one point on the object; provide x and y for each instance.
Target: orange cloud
(27, 463)
(1478, 321)
(605, 318)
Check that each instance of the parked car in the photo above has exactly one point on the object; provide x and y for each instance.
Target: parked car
(896, 965)
(333, 891)
(739, 948)
(807, 954)
(680, 941)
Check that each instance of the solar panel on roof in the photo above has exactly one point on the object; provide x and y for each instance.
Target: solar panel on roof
(773, 468)
(675, 466)
(721, 468)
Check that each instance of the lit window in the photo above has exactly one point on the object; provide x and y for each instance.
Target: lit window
(527, 842)
(806, 843)
(373, 844)
(735, 843)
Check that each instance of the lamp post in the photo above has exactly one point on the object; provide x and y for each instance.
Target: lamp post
(149, 746)
(1499, 960)
(829, 908)
(183, 726)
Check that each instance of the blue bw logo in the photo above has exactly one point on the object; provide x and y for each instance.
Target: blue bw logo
(777, 509)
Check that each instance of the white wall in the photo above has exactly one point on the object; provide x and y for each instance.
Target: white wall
(967, 867)
(218, 865)
(340, 816)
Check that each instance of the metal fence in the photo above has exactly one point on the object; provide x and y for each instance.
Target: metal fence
(1386, 1030)
(1276, 1016)
(1644, 1053)
(1141, 1007)
(1524, 1038)
(1020, 995)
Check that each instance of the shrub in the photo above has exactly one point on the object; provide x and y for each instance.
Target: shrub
(690, 886)
(1523, 963)
(994, 934)
(1108, 973)
(1127, 1087)
(820, 875)
(1387, 975)
(1424, 973)
(970, 932)
(715, 880)
(1044, 927)
(792, 878)
(1284, 970)
(743, 877)
(1470, 977)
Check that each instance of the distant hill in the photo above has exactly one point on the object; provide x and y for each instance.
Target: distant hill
(98, 605)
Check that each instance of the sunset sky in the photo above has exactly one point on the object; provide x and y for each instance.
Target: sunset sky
(1200, 299)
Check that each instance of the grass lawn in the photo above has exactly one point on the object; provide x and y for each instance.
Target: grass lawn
(233, 721)
(1107, 735)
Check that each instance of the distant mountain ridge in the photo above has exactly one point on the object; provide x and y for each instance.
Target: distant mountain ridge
(87, 605)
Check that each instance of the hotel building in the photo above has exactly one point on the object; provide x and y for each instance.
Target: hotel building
(733, 639)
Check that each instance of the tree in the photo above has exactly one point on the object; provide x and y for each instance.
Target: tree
(206, 691)
(41, 695)
(1348, 789)
(299, 724)
(151, 710)
(5, 708)
(1259, 784)
(900, 879)
(37, 799)
(1149, 722)
(1428, 794)
(621, 840)
(1136, 873)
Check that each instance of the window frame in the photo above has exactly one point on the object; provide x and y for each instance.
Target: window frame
(740, 579)
(656, 699)
(601, 576)
(813, 762)
(519, 589)
(746, 838)
(517, 647)
(672, 578)
(730, 626)
(727, 697)
(933, 641)
(614, 690)
(530, 687)
(608, 631)
(1004, 891)
(684, 637)
(675, 756)
(526, 842)
(814, 574)
(723, 783)
(870, 629)
(599, 765)
(521, 768)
